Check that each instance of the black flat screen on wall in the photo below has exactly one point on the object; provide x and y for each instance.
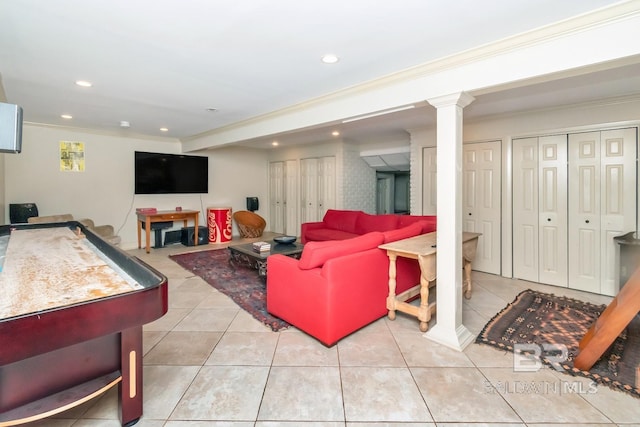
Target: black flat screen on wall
(158, 173)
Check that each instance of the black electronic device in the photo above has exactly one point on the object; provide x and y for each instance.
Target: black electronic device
(253, 204)
(160, 173)
(21, 212)
(188, 236)
(10, 128)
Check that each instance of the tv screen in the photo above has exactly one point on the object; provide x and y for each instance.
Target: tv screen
(158, 173)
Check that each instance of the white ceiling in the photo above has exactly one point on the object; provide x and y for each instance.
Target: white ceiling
(163, 63)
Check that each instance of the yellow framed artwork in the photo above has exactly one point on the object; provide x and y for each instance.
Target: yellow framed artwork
(71, 156)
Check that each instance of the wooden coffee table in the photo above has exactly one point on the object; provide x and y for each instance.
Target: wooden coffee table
(245, 255)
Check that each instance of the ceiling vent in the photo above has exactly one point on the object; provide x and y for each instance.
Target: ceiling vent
(390, 160)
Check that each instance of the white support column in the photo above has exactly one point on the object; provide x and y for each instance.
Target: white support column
(449, 329)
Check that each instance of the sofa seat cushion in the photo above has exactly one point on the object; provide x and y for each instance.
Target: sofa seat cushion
(322, 234)
(315, 254)
(367, 223)
(341, 220)
(403, 233)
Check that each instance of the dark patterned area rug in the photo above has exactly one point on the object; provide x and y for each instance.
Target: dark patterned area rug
(241, 284)
(546, 321)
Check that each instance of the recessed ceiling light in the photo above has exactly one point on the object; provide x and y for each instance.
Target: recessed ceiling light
(330, 59)
(66, 116)
(84, 83)
(212, 110)
(335, 133)
(164, 130)
(275, 143)
(125, 124)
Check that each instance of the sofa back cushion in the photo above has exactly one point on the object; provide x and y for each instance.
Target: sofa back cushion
(403, 233)
(341, 220)
(315, 254)
(429, 222)
(367, 223)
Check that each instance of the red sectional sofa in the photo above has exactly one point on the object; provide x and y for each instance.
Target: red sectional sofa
(337, 287)
(346, 224)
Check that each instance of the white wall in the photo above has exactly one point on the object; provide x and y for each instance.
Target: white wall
(104, 191)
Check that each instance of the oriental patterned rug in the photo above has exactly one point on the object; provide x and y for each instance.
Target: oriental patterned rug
(241, 284)
(544, 323)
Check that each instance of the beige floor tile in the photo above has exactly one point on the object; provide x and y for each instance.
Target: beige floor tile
(168, 321)
(208, 424)
(223, 393)
(244, 348)
(216, 299)
(299, 424)
(210, 320)
(296, 393)
(616, 405)
(382, 394)
(296, 348)
(390, 424)
(489, 357)
(244, 322)
(183, 348)
(150, 339)
(528, 392)
(420, 351)
(461, 395)
(372, 349)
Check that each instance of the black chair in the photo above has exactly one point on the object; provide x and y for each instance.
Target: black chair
(21, 212)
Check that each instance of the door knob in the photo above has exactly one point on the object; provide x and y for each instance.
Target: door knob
(469, 213)
(549, 219)
(587, 221)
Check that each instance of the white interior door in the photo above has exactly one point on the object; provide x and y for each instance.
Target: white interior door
(618, 195)
(552, 209)
(276, 196)
(309, 190)
(525, 209)
(481, 201)
(291, 224)
(602, 205)
(326, 185)
(383, 193)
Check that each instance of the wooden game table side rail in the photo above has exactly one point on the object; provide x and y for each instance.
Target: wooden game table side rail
(55, 359)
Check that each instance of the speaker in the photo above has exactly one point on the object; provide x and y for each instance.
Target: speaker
(252, 204)
(20, 212)
(10, 128)
(188, 234)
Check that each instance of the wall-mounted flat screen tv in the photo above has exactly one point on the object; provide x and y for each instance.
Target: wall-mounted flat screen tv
(158, 173)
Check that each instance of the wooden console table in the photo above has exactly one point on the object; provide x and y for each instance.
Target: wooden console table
(423, 248)
(160, 216)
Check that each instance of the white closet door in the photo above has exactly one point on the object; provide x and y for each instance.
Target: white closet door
(429, 181)
(291, 224)
(552, 208)
(584, 211)
(618, 195)
(276, 196)
(525, 209)
(326, 185)
(309, 190)
(481, 201)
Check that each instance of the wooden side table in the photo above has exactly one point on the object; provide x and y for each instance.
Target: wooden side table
(161, 216)
(423, 249)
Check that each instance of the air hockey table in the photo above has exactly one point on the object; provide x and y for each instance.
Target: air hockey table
(72, 308)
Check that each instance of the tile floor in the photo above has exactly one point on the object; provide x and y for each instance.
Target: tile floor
(208, 363)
